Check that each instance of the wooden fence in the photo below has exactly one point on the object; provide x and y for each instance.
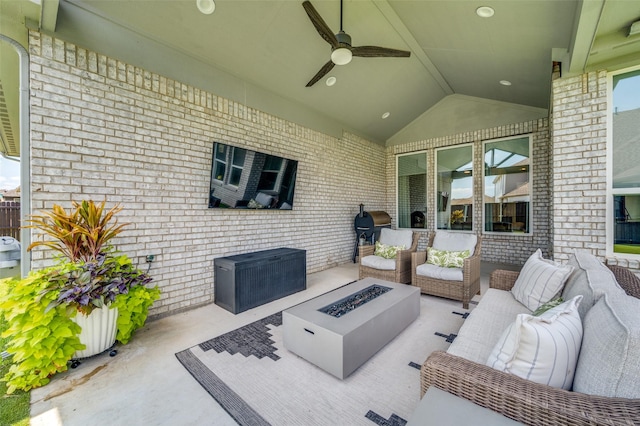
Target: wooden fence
(10, 219)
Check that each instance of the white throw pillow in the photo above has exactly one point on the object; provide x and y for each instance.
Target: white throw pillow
(542, 349)
(539, 281)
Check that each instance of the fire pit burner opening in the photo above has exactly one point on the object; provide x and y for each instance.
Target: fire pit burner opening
(355, 300)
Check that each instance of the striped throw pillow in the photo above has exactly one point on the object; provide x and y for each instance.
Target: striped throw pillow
(539, 281)
(542, 349)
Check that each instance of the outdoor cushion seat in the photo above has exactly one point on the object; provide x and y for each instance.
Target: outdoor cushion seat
(378, 262)
(439, 272)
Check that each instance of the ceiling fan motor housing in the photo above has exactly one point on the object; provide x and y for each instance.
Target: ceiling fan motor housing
(344, 39)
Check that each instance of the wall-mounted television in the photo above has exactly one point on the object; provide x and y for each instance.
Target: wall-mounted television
(246, 179)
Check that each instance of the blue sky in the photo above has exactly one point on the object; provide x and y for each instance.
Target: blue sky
(9, 174)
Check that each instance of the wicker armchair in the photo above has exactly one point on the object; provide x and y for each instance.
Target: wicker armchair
(457, 290)
(522, 400)
(402, 271)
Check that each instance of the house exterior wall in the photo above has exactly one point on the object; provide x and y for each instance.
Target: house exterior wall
(499, 248)
(579, 141)
(103, 129)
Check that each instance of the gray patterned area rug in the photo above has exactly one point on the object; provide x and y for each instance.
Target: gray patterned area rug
(259, 382)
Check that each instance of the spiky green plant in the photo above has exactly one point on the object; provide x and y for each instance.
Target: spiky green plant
(81, 234)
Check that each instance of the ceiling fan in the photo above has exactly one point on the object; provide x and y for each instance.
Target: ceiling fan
(341, 49)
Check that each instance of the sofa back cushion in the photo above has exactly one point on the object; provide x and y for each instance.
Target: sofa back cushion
(543, 349)
(396, 237)
(590, 278)
(455, 241)
(609, 359)
(539, 281)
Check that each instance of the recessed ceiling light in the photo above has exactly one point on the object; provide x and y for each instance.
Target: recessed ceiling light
(386, 115)
(331, 81)
(505, 82)
(206, 6)
(485, 12)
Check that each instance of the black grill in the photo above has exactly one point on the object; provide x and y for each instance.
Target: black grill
(367, 226)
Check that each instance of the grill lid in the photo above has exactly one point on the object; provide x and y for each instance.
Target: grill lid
(380, 218)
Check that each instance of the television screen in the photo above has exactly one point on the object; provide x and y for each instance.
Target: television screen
(246, 179)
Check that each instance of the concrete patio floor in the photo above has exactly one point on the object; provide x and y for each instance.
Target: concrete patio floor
(145, 384)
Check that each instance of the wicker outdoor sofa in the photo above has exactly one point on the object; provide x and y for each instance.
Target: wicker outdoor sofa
(532, 403)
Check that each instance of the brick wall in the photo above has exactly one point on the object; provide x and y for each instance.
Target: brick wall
(500, 248)
(580, 113)
(103, 129)
(579, 164)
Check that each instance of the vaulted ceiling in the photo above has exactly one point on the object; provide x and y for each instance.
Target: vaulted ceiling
(262, 53)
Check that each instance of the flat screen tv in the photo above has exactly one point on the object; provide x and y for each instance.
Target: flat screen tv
(246, 179)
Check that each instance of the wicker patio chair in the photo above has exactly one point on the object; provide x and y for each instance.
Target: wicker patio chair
(402, 270)
(457, 290)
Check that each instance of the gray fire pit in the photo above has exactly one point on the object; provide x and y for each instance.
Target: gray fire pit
(340, 343)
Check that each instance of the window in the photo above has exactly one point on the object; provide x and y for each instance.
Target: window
(507, 189)
(271, 173)
(225, 155)
(412, 190)
(220, 162)
(625, 157)
(237, 164)
(454, 180)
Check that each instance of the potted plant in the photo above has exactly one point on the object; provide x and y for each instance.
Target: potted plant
(51, 310)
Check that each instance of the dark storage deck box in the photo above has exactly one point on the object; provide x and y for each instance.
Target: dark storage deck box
(248, 280)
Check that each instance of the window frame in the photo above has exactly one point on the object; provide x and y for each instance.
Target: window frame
(235, 168)
(426, 183)
(531, 231)
(611, 192)
(437, 193)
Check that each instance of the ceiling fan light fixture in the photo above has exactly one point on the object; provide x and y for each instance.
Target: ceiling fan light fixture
(341, 56)
(485, 12)
(206, 7)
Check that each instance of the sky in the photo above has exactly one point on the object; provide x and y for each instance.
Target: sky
(9, 174)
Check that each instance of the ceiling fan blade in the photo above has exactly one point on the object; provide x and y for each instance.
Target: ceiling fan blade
(323, 71)
(378, 52)
(322, 27)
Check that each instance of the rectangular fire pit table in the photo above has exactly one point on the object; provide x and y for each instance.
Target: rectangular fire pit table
(339, 345)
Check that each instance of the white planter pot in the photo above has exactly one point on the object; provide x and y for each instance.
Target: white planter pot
(99, 331)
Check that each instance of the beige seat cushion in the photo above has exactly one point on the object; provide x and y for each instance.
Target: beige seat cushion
(439, 272)
(378, 262)
(484, 326)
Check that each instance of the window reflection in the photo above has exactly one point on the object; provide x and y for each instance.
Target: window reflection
(455, 188)
(412, 190)
(625, 160)
(507, 193)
